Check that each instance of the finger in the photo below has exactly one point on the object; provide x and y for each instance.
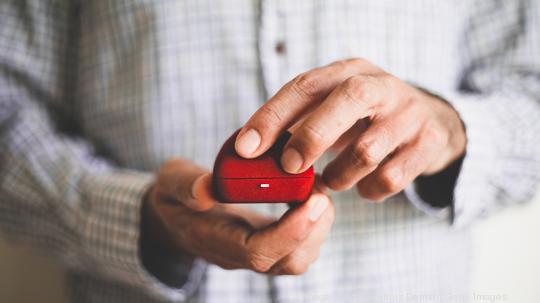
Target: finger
(365, 153)
(290, 102)
(201, 198)
(217, 235)
(255, 220)
(356, 98)
(300, 259)
(408, 163)
(267, 246)
(319, 186)
(350, 135)
(188, 183)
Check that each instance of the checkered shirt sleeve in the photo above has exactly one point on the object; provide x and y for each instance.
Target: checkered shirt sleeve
(55, 191)
(60, 190)
(498, 100)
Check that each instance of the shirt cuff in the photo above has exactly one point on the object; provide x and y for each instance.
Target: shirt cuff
(111, 233)
(472, 186)
(424, 206)
(481, 162)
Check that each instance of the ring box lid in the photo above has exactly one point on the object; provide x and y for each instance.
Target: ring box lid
(229, 165)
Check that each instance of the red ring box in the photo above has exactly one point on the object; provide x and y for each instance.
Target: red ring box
(258, 180)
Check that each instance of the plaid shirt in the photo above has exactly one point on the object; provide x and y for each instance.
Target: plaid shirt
(94, 95)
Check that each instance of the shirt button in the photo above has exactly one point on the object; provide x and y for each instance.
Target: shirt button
(280, 48)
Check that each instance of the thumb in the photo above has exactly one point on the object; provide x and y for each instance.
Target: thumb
(187, 183)
(201, 198)
(285, 235)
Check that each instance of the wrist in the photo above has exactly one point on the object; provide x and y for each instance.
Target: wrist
(458, 138)
(450, 120)
(158, 258)
(148, 246)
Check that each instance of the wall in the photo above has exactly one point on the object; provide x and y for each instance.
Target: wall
(26, 277)
(507, 248)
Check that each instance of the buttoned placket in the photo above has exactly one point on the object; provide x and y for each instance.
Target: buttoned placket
(272, 51)
(272, 45)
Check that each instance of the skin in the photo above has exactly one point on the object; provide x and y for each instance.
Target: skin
(385, 132)
(181, 217)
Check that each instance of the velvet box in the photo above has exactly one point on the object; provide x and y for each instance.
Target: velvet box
(258, 180)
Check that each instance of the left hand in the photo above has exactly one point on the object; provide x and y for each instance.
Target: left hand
(181, 220)
(387, 132)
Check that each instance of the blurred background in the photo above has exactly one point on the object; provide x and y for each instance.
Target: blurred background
(507, 262)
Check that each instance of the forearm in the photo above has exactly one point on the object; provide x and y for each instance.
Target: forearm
(57, 195)
(55, 191)
(159, 257)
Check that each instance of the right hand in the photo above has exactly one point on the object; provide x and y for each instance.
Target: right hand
(181, 215)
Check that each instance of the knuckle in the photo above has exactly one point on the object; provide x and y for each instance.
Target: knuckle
(354, 89)
(306, 84)
(411, 108)
(258, 262)
(357, 60)
(295, 266)
(389, 80)
(363, 191)
(342, 64)
(312, 134)
(360, 92)
(272, 114)
(363, 154)
(298, 238)
(435, 135)
(389, 180)
(308, 140)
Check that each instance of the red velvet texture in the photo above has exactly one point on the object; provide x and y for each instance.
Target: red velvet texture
(259, 180)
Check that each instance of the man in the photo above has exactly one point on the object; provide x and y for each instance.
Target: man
(98, 95)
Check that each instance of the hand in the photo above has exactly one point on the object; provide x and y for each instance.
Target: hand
(181, 217)
(387, 132)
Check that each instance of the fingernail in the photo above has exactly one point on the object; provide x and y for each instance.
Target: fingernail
(292, 160)
(195, 189)
(200, 198)
(394, 175)
(248, 142)
(317, 208)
